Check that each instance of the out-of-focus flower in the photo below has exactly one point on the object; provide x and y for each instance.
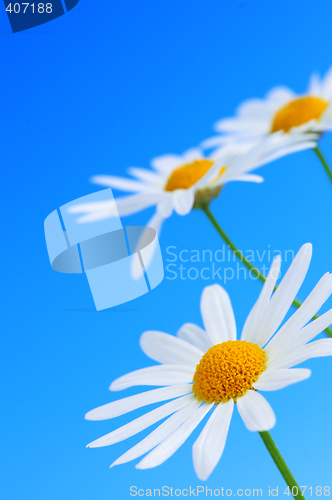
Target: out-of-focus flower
(281, 110)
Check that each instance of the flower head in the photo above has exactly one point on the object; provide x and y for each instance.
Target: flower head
(179, 183)
(207, 372)
(280, 111)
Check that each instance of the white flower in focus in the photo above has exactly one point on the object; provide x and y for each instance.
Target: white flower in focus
(207, 372)
(281, 110)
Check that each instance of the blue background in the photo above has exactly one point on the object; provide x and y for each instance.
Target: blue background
(111, 85)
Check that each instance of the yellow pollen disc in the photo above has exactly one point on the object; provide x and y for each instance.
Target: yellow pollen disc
(186, 176)
(298, 112)
(228, 371)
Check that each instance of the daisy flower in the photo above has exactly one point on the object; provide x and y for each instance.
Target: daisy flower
(206, 372)
(179, 183)
(281, 110)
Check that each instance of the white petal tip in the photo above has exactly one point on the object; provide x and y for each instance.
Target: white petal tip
(92, 416)
(94, 444)
(117, 462)
(202, 477)
(307, 247)
(277, 258)
(141, 465)
(265, 428)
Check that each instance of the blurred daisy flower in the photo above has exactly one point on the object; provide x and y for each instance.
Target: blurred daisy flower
(179, 183)
(281, 110)
(206, 372)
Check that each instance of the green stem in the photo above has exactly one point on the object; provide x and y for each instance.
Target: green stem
(241, 257)
(323, 161)
(281, 464)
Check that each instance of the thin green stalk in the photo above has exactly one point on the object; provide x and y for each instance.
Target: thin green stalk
(241, 257)
(281, 464)
(323, 161)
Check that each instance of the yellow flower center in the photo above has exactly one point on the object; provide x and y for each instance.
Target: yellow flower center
(187, 175)
(298, 112)
(228, 371)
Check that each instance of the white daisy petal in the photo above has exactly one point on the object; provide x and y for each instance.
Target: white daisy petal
(154, 375)
(156, 223)
(171, 444)
(149, 177)
(273, 380)
(141, 423)
(183, 200)
(94, 216)
(325, 125)
(269, 149)
(95, 211)
(295, 147)
(317, 349)
(247, 178)
(230, 151)
(314, 85)
(165, 208)
(94, 206)
(311, 330)
(122, 406)
(283, 297)
(210, 445)
(252, 158)
(212, 142)
(195, 335)
(279, 353)
(118, 183)
(191, 155)
(256, 412)
(254, 108)
(308, 309)
(256, 314)
(280, 95)
(126, 205)
(217, 314)
(327, 85)
(166, 163)
(166, 348)
(132, 204)
(241, 125)
(159, 434)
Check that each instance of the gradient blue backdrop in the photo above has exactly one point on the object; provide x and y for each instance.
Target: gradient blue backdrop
(110, 85)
